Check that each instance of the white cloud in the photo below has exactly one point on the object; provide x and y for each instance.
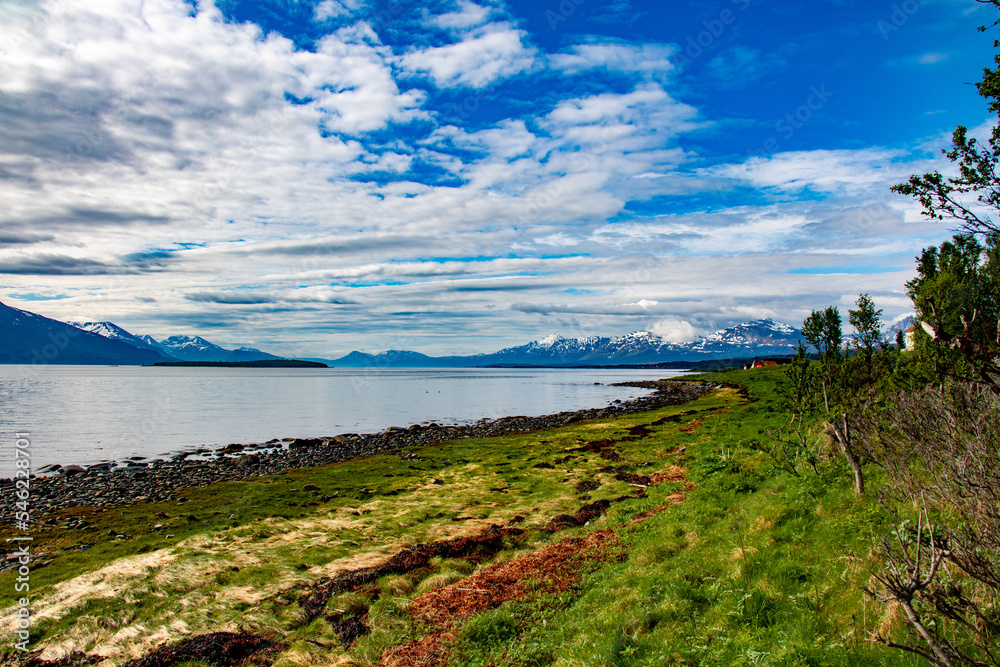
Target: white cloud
(335, 9)
(832, 171)
(932, 58)
(495, 52)
(648, 58)
(468, 15)
(190, 170)
(645, 304)
(675, 330)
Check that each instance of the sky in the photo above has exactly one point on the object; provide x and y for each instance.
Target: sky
(312, 177)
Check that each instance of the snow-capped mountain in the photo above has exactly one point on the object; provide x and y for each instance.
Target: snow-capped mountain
(115, 332)
(904, 324)
(749, 338)
(29, 338)
(182, 348)
(758, 338)
(196, 348)
(191, 348)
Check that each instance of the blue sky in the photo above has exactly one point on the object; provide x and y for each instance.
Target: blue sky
(313, 177)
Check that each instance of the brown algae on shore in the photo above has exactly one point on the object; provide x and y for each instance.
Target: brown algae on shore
(244, 552)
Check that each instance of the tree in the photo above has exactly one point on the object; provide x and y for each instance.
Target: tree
(868, 325)
(823, 330)
(957, 298)
(833, 331)
(812, 331)
(973, 197)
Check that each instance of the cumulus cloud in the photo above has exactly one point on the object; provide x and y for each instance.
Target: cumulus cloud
(495, 52)
(675, 331)
(468, 15)
(168, 167)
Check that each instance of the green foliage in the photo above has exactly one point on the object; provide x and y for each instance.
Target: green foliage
(957, 293)
(867, 324)
(824, 331)
(800, 393)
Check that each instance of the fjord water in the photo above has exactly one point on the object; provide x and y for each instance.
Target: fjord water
(89, 414)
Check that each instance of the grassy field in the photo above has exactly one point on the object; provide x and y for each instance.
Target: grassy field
(705, 554)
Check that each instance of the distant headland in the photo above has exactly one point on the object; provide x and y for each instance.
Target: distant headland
(263, 363)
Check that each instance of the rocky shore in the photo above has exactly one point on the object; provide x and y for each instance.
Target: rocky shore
(164, 480)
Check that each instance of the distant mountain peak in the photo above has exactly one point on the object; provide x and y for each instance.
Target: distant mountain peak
(30, 338)
(550, 340)
(112, 331)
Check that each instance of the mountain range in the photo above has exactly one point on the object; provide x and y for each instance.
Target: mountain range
(28, 338)
(757, 338)
(176, 348)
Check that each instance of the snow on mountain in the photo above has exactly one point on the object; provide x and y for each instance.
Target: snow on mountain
(192, 348)
(115, 332)
(29, 338)
(766, 335)
(549, 341)
(902, 325)
(196, 348)
(183, 348)
(758, 338)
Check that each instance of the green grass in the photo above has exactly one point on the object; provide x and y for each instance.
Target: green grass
(754, 567)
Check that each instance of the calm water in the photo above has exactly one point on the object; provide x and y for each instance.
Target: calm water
(88, 414)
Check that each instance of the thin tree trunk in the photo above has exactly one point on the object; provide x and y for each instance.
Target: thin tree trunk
(843, 437)
(911, 616)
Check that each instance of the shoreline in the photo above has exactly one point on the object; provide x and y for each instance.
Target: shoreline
(160, 481)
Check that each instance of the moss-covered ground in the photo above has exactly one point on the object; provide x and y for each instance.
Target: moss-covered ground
(717, 558)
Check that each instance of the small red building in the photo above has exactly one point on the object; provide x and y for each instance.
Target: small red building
(760, 364)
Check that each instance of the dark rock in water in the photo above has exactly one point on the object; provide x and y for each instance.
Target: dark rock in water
(72, 470)
(232, 449)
